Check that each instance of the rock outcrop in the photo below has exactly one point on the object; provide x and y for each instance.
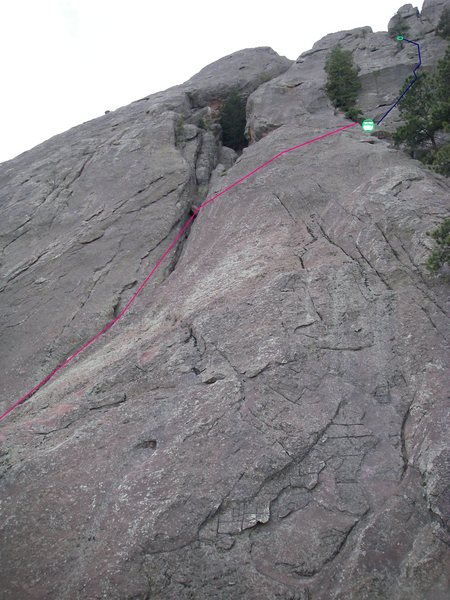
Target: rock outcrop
(91, 209)
(383, 66)
(270, 419)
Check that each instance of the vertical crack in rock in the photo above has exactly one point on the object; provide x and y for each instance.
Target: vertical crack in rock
(118, 301)
(404, 451)
(417, 272)
(327, 237)
(283, 204)
(364, 257)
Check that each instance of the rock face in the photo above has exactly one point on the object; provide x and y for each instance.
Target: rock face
(270, 418)
(383, 66)
(432, 10)
(69, 206)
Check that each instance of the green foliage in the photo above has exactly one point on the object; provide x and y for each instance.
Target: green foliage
(343, 84)
(206, 121)
(443, 27)
(179, 131)
(440, 255)
(442, 104)
(417, 111)
(425, 110)
(354, 114)
(264, 77)
(440, 160)
(233, 121)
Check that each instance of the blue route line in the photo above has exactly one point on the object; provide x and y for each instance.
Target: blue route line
(410, 85)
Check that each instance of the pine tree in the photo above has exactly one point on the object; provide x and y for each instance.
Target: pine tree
(343, 84)
(440, 160)
(443, 27)
(442, 104)
(417, 109)
(425, 110)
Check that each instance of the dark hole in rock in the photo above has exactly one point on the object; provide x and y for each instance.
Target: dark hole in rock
(233, 121)
(147, 444)
(213, 379)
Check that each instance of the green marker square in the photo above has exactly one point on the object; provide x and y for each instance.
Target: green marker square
(368, 125)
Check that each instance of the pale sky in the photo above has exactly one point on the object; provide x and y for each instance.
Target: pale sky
(64, 62)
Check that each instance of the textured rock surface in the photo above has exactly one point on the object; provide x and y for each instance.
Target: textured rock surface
(69, 205)
(383, 65)
(271, 418)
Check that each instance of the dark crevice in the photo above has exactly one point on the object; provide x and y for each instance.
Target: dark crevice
(425, 290)
(286, 209)
(394, 252)
(14, 239)
(80, 170)
(403, 439)
(179, 246)
(110, 404)
(144, 189)
(327, 237)
(199, 341)
(25, 267)
(346, 348)
(373, 268)
(310, 231)
(147, 444)
(314, 306)
(118, 301)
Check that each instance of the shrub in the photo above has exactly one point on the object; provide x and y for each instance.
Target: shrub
(416, 109)
(443, 27)
(179, 131)
(440, 160)
(440, 255)
(425, 110)
(441, 108)
(233, 121)
(206, 121)
(343, 84)
(354, 114)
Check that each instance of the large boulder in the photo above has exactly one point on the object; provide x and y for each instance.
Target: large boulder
(244, 70)
(270, 419)
(406, 22)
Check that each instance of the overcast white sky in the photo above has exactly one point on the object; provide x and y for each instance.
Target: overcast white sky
(64, 62)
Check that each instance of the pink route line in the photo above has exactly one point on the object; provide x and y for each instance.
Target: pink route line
(144, 283)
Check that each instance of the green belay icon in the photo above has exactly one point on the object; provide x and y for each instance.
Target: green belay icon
(368, 125)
